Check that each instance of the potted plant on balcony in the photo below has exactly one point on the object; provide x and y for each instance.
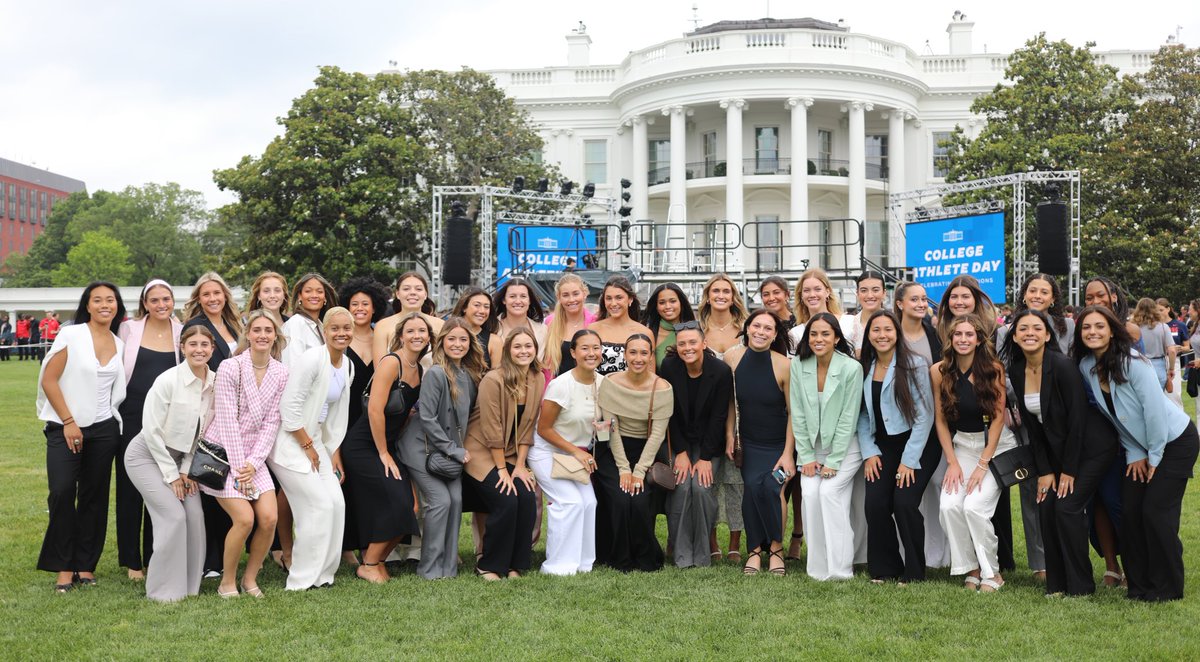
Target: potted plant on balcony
(812, 168)
(719, 169)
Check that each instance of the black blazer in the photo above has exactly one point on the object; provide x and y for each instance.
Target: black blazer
(221, 349)
(712, 402)
(1057, 440)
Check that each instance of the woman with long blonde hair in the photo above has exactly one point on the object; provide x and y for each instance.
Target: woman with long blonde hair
(569, 316)
(721, 313)
(269, 292)
(211, 304)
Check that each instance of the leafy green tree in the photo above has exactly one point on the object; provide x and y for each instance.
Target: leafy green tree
(97, 256)
(1056, 110)
(346, 190)
(1147, 231)
(156, 223)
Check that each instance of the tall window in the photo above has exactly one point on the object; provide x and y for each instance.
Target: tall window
(766, 150)
(768, 252)
(941, 153)
(595, 161)
(824, 151)
(877, 157)
(710, 154)
(21, 205)
(660, 161)
(535, 156)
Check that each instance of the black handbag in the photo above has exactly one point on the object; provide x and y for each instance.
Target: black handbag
(440, 465)
(210, 465)
(1015, 465)
(395, 404)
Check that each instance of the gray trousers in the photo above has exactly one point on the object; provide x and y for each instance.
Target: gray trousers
(177, 563)
(691, 515)
(1034, 551)
(442, 505)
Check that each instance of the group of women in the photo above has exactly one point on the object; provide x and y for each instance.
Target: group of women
(361, 432)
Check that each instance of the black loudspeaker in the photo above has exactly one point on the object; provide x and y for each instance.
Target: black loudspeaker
(456, 265)
(1054, 238)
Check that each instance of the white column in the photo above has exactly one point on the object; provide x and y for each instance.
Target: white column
(677, 211)
(857, 202)
(897, 180)
(735, 203)
(564, 151)
(796, 233)
(641, 166)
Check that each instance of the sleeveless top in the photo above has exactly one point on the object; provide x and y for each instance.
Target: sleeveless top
(762, 406)
(484, 336)
(970, 415)
(567, 362)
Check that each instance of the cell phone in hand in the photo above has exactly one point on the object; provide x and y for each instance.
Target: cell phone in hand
(780, 475)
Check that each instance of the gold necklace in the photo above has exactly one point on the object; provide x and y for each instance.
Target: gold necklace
(261, 367)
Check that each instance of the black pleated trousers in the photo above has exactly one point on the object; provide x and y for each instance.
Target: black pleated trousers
(1150, 542)
(78, 501)
(893, 510)
(625, 525)
(508, 537)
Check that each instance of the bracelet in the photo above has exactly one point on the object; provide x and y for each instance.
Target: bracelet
(982, 465)
(68, 420)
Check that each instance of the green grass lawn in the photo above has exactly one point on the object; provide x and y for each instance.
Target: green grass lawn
(712, 613)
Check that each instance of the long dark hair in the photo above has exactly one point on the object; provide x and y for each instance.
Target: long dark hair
(1113, 365)
(782, 344)
(1010, 352)
(82, 316)
(984, 366)
(491, 324)
(331, 297)
(536, 313)
(803, 351)
(651, 318)
(622, 283)
(984, 308)
(1120, 302)
(1056, 310)
(906, 365)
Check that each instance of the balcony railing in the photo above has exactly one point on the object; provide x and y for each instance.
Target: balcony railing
(661, 174)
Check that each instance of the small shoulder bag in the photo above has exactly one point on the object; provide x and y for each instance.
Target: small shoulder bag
(660, 474)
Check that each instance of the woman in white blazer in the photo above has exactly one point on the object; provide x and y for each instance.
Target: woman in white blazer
(306, 458)
(151, 340)
(80, 389)
(178, 406)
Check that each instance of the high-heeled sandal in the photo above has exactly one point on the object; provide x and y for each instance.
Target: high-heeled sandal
(253, 591)
(778, 554)
(747, 569)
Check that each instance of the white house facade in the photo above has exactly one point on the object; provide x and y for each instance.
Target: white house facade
(758, 137)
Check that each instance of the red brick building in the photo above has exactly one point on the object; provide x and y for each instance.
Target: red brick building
(27, 194)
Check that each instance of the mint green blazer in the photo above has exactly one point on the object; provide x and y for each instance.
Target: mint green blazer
(837, 428)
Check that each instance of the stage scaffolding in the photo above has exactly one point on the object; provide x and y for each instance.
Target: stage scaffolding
(1022, 263)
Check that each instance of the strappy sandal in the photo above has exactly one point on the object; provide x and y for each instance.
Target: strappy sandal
(971, 583)
(795, 536)
(253, 591)
(749, 570)
(233, 594)
(63, 588)
(1119, 579)
(778, 572)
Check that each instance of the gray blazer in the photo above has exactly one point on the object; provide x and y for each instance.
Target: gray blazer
(441, 421)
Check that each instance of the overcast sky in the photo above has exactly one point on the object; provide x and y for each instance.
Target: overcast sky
(124, 92)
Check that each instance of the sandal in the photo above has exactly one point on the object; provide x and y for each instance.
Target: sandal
(778, 572)
(1118, 579)
(232, 594)
(1039, 576)
(252, 591)
(368, 579)
(990, 585)
(734, 555)
(877, 581)
(971, 583)
(63, 588)
(748, 569)
(487, 576)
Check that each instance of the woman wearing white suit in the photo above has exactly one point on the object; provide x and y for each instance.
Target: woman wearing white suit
(315, 407)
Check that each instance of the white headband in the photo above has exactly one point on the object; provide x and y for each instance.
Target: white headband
(155, 283)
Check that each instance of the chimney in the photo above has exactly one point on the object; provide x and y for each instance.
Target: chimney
(579, 46)
(960, 34)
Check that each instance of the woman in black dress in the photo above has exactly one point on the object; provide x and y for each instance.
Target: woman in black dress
(382, 510)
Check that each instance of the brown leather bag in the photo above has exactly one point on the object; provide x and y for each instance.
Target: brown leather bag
(661, 474)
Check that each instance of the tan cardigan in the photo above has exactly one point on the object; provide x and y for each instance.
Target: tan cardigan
(491, 422)
(632, 411)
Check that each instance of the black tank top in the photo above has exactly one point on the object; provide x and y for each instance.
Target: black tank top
(970, 415)
(762, 406)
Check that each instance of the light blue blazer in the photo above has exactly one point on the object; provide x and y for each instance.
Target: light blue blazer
(1146, 420)
(893, 420)
(837, 426)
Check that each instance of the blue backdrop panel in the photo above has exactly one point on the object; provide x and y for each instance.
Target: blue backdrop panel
(540, 248)
(937, 251)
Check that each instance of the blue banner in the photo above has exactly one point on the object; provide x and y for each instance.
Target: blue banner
(540, 248)
(937, 251)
